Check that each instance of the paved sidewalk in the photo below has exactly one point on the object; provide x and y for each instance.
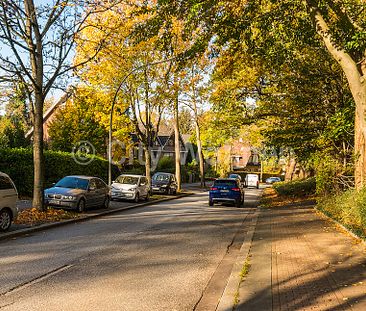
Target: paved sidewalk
(299, 261)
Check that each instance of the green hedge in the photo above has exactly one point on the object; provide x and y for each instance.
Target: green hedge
(296, 188)
(18, 164)
(348, 208)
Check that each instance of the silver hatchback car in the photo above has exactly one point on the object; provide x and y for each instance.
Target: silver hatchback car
(130, 187)
(8, 200)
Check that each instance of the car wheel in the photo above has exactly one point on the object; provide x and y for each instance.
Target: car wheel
(239, 203)
(81, 206)
(137, 197)
(5, 220)
(106, 202)
(147, 196)
(210, 203)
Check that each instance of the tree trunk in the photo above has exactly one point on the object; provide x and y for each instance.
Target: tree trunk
(198, 134)
(200, 154)
(148, 164)
(38, 153)
(359, 149)
(290, 169)
(356, 77)
(177, 144)
(199, 146)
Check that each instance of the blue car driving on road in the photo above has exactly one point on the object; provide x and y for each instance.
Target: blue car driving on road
(226, 190)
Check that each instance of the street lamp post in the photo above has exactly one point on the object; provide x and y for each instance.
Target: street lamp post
(112, 110)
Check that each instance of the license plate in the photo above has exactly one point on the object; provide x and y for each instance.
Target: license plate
(156, 188)
(224, 191)
(55, 202)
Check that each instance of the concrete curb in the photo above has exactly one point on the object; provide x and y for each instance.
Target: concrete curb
(227, 299)
(29, 230)
(353, 235)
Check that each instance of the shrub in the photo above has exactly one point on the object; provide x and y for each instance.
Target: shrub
(296, 188)
(166, 164)
(18, 163)
(348, 208)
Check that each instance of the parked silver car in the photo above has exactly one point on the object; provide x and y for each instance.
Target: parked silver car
(130, 187)
(78, 192)
(272, 180)
(8, 200)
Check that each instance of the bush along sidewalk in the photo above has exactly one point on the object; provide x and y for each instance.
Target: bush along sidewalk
(296, 188)
(347, 208)
(284, 193)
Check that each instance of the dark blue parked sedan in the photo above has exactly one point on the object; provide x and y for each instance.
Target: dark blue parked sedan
(226, 190)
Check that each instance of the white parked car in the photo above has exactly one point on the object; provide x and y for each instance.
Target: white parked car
(252, 180)
(130, 187)
(8, 200)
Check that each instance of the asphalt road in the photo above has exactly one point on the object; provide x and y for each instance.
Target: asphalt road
(159, 257)
(25, 204)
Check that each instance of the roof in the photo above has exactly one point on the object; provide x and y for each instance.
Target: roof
(51, 110)
(82, 176)
(226, 179)
(163, 139)
(186, 138)
(163, 173)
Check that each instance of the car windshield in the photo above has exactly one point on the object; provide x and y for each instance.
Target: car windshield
(225, 182)
(73, 183)
(234, 176)
(161, 177)
(127, 180)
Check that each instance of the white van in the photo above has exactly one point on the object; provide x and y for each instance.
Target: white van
(8, 200)
(252, 180)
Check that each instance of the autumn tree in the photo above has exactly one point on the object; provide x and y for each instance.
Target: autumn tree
(185, 121)
(276, 29)
(134, 72)
(85, 117)
(39, 39)
(17, 119)
(195, 96)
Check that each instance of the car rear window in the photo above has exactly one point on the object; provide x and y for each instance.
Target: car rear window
(225, 183)
(252, 176)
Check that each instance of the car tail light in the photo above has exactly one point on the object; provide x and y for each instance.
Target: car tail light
(213, 188)
(235, 189)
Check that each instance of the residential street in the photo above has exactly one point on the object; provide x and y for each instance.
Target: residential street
(162, 257)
